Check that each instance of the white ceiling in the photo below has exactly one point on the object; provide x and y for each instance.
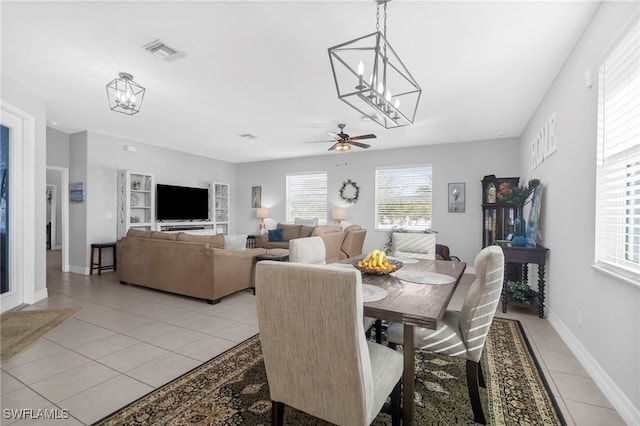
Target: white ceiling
(262, 68)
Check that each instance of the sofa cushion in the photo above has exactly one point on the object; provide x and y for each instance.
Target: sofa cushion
(306, 222)
(276, 235)
(171, 236)
(235, 242)
(289, 232)
(305, 231)
(214, 241)
(138, 233)
(319, 230)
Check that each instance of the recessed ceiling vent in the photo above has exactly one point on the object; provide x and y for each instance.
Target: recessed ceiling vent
(162, 51)
(248, 136)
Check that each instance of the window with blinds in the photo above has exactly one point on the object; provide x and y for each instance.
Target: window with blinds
(307, 197)
(403, 198)
(618, 160)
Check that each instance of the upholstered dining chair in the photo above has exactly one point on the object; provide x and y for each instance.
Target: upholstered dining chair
(413, 245)
(325, 367)
(463, 334)
(307, 250)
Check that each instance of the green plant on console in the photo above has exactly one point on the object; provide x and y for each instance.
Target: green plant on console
(520, 291)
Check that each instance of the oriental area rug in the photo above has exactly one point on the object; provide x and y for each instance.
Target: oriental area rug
(232, 389)
(20, 329)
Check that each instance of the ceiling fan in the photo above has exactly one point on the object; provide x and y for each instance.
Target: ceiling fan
(342, 141)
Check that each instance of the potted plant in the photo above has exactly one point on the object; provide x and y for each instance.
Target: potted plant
(521, 292)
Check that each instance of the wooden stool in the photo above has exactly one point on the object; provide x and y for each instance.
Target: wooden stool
(99, 265)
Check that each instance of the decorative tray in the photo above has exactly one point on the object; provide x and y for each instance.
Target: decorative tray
(398, 264)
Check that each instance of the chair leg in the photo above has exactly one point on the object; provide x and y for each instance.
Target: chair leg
(378, 325)
(396, 404)
(277, 413)
(481, 376)
(474, 392)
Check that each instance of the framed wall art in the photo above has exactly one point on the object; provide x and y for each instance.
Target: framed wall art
(256, 197)
(456, 198)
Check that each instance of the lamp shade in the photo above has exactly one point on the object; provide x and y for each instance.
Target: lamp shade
(262, 213)
(339, 213)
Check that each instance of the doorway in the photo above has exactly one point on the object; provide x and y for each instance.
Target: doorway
(58, 177)
(18, 134)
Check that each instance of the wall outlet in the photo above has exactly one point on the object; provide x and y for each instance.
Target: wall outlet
(579, 318)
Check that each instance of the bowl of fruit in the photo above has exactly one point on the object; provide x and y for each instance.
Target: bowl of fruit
(377, 263)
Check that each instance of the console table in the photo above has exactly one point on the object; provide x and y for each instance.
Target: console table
(524, 256)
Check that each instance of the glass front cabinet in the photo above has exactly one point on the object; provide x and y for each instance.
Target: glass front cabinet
(497, 216)
(136, 201)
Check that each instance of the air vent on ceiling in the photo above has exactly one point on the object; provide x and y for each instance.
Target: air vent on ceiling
(162, 51)
(248, 136)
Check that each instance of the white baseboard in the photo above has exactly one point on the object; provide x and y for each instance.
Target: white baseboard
(78, 270)
(629, 413)
(41, 295)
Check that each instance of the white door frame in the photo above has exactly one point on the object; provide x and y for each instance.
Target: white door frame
(21, 206)
(64, 199)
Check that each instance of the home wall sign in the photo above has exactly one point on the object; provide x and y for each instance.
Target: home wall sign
(545, 143)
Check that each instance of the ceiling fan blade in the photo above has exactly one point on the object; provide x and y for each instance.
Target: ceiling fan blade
(334, 135)
(334, 146)
(359, 144)
(319, 142)
(370, 136)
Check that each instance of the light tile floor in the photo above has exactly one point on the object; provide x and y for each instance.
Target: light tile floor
(130, 340)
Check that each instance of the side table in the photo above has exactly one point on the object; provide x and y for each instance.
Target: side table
(524, 256)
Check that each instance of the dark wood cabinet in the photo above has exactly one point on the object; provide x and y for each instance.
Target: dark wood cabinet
(497, 216)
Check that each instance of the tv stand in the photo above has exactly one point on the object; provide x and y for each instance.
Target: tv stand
(185, 226)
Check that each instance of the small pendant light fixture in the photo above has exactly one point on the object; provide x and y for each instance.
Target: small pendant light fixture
(125, 95)
(372, 79)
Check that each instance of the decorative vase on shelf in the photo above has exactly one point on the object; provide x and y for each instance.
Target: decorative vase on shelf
(519, 229)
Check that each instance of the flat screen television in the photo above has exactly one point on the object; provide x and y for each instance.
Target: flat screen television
(181, 203)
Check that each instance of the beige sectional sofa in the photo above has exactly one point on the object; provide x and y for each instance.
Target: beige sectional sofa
(191, 265)
(338, 244)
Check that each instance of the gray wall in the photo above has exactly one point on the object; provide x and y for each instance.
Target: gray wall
(19, 96)
(461, 162)
(608, 342)
(78, 240)
(57, 148)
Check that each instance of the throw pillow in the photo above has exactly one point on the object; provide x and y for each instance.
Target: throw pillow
(276, 235)
(306, 222)
(235, 242)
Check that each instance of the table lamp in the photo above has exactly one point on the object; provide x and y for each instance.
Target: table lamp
(339, 214)
(261, 213)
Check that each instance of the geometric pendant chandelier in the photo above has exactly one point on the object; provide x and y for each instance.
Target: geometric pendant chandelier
(371, 78)
(124, 95)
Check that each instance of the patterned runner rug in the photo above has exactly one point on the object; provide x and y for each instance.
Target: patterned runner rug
(232, 389)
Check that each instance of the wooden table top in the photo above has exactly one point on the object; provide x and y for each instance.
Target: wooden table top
(411, 303)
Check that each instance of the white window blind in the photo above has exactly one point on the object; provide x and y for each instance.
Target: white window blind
(307, 197)
(403, 198)
(618, 160)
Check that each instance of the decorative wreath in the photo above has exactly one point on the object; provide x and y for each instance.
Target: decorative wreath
(345, 185)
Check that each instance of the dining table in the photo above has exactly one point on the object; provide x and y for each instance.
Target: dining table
(416, 295)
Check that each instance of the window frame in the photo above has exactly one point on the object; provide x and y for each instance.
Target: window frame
(617, 209)
(321, 213)
(377, 199)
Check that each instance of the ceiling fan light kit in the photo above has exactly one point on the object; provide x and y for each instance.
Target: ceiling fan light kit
(371, 78)
(125, 96)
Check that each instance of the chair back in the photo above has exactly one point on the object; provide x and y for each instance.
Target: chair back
(307, 250)
(315, 353)
(413, 245)
(353, 242)
(481, 301)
